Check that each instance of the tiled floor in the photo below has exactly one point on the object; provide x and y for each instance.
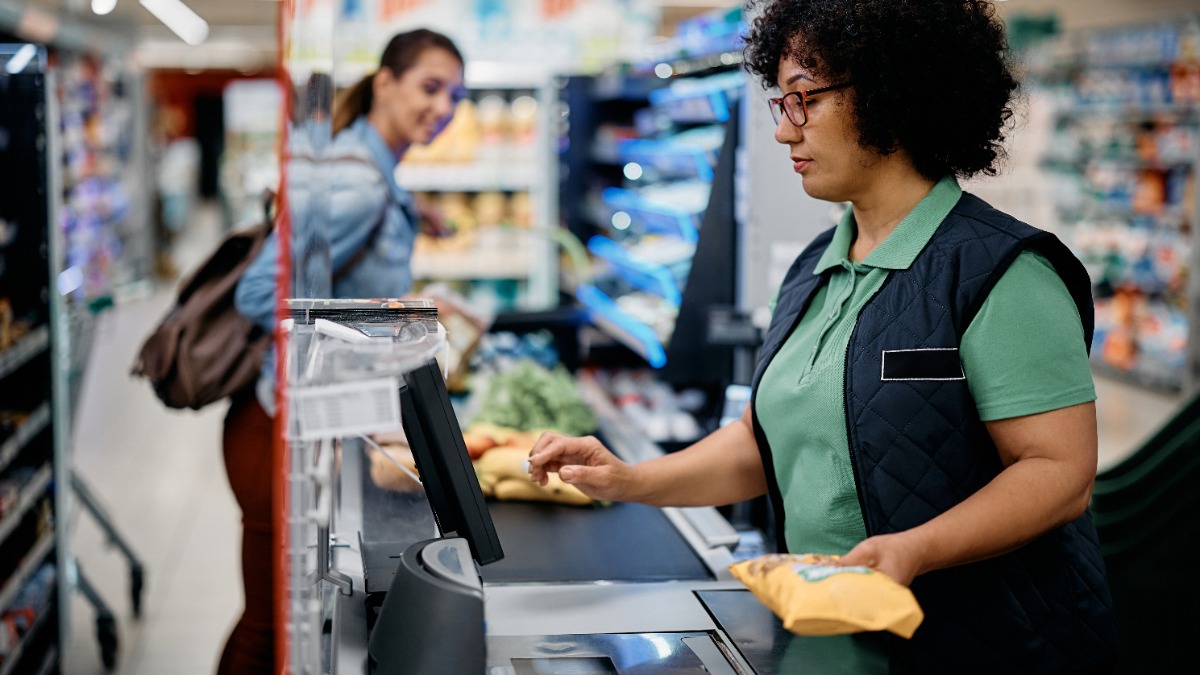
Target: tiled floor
(160, 474)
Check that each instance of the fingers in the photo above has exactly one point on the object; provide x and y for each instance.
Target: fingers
(597, 482)
(552, 452)
(538, 457)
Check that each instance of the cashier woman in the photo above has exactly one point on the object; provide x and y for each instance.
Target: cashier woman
(923, 403)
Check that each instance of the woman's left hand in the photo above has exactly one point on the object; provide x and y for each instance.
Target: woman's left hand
(896, 555)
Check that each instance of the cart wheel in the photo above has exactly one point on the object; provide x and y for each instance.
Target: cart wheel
(136, 579)
(106, 635)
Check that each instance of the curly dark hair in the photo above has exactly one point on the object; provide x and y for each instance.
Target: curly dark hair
(930, 76)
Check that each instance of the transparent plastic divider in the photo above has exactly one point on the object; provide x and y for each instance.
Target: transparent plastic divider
(357, 355)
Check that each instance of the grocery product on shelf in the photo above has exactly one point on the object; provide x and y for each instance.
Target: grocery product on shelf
(27, 612)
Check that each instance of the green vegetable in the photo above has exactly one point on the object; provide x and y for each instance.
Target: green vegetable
(528, 397)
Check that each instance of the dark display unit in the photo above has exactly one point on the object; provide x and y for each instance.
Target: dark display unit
(29, 598)
(441, 455)
(436, 589)
(647, 167)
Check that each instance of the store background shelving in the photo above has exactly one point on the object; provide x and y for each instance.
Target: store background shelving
(103, 214)
(489, 175)
(642, 144)
(1122, 163)
(249, 159)
(30, 450)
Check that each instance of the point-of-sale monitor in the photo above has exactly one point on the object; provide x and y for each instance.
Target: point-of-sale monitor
(441, 455)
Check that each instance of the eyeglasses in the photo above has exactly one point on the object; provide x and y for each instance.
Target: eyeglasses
(794, 104)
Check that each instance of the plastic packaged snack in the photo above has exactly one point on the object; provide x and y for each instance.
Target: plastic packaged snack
(814, 597)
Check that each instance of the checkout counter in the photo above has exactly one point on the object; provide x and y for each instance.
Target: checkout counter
(624, 588)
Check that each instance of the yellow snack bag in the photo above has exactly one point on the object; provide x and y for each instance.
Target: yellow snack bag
(813, 597)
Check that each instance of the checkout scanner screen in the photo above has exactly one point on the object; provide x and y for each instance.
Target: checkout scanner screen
(441, 456)
(569, 665)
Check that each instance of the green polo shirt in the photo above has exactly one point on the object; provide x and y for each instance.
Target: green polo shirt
(1023, 353)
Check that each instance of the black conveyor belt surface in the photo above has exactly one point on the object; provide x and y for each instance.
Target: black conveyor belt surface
(622, 542)
(542, 542)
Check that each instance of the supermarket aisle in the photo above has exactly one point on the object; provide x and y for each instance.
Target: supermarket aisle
(160, 475)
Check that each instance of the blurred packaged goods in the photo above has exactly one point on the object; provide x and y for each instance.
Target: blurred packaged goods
(1121, 167)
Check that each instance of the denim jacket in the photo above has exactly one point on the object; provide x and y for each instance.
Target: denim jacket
(365, 208)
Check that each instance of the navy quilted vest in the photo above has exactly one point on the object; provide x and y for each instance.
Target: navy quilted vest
(918, 448)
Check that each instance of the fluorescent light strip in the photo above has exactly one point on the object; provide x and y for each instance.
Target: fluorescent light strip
(179, 18)
(21, 59)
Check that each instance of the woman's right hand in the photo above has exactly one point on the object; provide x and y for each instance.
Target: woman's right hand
(583, 462)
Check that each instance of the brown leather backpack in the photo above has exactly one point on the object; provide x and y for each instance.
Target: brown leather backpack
(204, 350)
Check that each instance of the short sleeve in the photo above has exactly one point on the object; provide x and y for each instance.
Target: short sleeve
(1024, 353)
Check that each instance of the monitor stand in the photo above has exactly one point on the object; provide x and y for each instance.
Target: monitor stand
(431, 621)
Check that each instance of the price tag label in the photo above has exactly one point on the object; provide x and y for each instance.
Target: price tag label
(346, 408)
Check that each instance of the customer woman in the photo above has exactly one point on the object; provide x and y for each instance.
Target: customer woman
(923, 403)
(371, 226)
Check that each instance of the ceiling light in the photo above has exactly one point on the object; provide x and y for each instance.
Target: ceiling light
(179, 18)
(102, 7)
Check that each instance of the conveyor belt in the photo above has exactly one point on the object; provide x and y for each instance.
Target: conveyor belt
(622, 542)
(542, 542)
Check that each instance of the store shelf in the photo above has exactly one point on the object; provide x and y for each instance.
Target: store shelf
(693, 106)
(1122, 162)
(34, 424)
(669, 158)
(648, 276)
(8, 667)
(30, 495)
(706, 64)
(622, 327)
(619, 87)
(1169, 218)
(29, 564)
(25, 349)
(1130, 110)
(472, 264)
(654, 217)
(498, 176)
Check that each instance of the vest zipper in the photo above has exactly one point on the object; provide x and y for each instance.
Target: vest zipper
(846, 379)
(858, 489)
